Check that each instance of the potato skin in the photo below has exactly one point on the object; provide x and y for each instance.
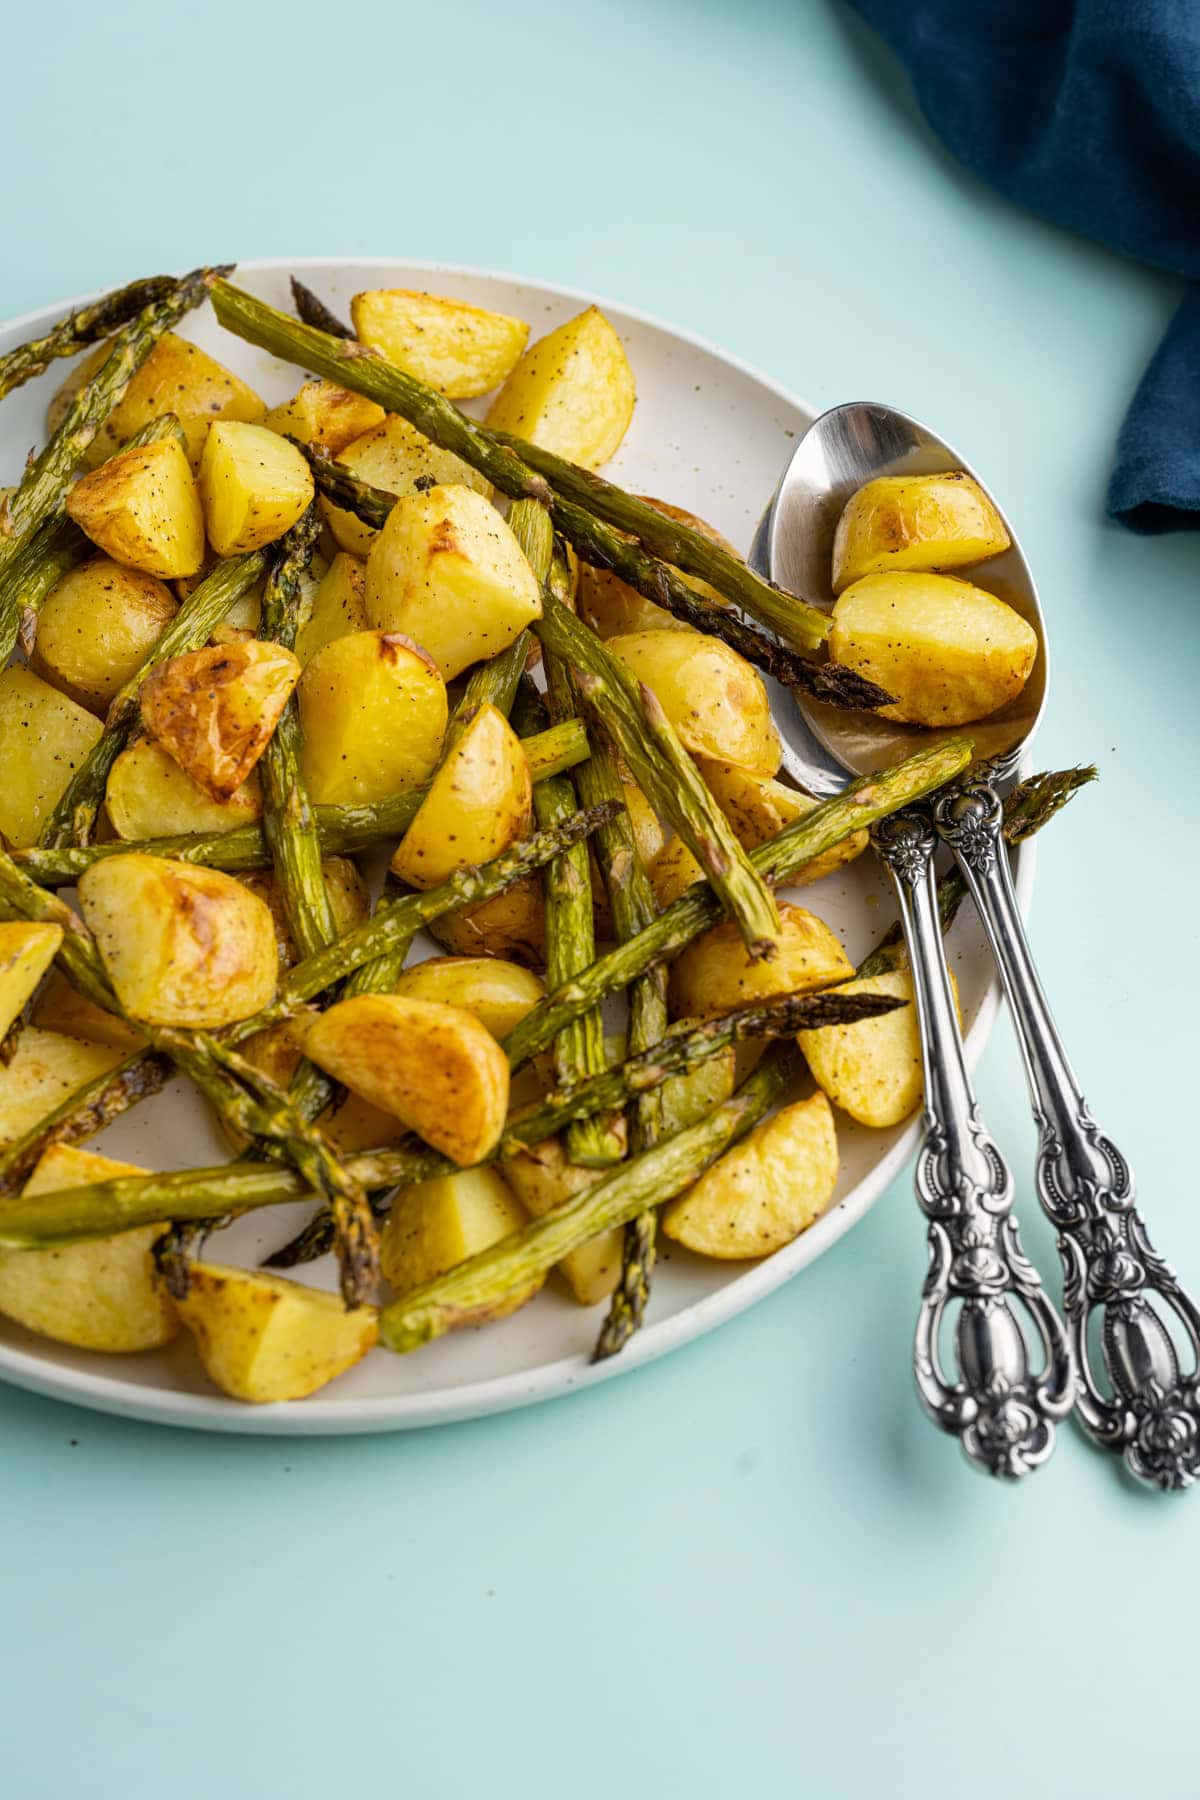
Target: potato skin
(479, 802)
(572, 392)
(397, 458)
(214, 710)
(512, 925)
(498, 993)
(373, 710)
(62, 1009)
(915, 522)
(715, 973)
(712, 696)
(872, 1070)
(149, 795)
(263, 1338)
(765, 1191)
(96, 628)
(44, 737)
(254, 486)
(181, 945)
(322, 413)
(460, 350)
(26, 952)
(46, 1069)
(143, 508)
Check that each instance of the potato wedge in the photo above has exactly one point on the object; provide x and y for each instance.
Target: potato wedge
(149, 795)
(63, 1009)
(686, 1099)
(46, 1069)
(714, 699)
(915, 522)
(373, 710)
(26, 952)
(176, 377)
(948, 651)
(44, 737)
(96, 628)
(511, 925)
(396, 457)
(352, 1124)
(214, 710)
(572, 392)
(433, 1066)
(181, 945)
(263, 1338)
(673, 871)
(498, 993)
(436, 1224)
(458, 349)
(254, 486)
(101, 1294)
(612, 608)
(339, 607)
(446, 570)
(715, 973)
(872, 1070)
(143, 508)
(759, 809)
(765, 1191)
(479, 802)
(349, 901)
(542, 1178)
(322, 413)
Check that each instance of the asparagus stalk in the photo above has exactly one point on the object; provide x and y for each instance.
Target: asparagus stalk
(74, 815)
(313, 311)
(85, 326)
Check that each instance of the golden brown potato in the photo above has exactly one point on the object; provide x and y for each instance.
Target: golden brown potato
(97, 627)
(143, 508)
(673, 871)
(176, 377)
(872, 1070)
(45, 1070)
(431, 1065)
(458, 349)
(648, 835)
(612, 608)
(498, 993)
(759, 809)
(44, 737)
(148, 796)
(63, 1009)
(373, 710)
(100, 1294)
(26, 952)
(686, 1099)
(181, 945)
(715, 973)
(479, 802)
(396, 457)
(714, 699)
(214, 710)
(352, 1124)
(915, 522)
(765, 1191)
(339, 607)
(542, 1178)
(447, 571)
(254, 486)
(512, 924)
(263, 1338)
(437, 1224)
(322, 413)
(572, 392)
(349, 901)
(949, 652)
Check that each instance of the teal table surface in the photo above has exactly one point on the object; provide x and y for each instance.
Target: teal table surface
(752, 1568)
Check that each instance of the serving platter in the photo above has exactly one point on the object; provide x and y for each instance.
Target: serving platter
(710, 434)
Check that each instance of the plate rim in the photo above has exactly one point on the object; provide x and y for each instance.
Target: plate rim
(565, 1375)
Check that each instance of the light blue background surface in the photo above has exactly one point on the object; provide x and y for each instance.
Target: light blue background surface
(751, 1568)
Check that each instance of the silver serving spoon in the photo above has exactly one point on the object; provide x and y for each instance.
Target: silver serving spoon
(1131, 1396)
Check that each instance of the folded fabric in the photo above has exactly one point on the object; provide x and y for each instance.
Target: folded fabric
(1088, 113)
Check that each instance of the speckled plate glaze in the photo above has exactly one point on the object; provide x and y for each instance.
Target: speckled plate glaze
(709, 434)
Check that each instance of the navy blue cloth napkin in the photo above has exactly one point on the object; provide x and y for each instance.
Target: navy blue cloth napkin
(1087, 112)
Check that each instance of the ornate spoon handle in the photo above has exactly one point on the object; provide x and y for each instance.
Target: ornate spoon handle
(1143, 1407)
(1002, 1413)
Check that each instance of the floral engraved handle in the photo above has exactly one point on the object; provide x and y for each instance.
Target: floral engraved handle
(1133, 1395)
(1003, 1402)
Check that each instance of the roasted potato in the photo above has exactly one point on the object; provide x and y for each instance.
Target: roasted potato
(352, 1124)
(97, 627)
(349, 901)
(44, 737)
(254, 486)
(398, 458)
(149, 795)
(99, 1294)
(915, 522)
(458, 349)
(686, 1099)
(26, 952)
(339, 607)
(715, 973)
(446, 570)
(759, 809)
(263, 1338)
(143, 508)
(478, 803)
(61, 1008)
(181, 945)
(542, 1178)
(872, 1070)
(176, 377)
(512, 924)
(572, 392)
(46, 1069)
(948, 651)
(214, 710)
(498, 993)
(673, 871)
(437, 1224)
(431, 1065)
(322, 413)
(714, 699)
(612, 608)
(373, 711)
(765, 1191)
(648, 835)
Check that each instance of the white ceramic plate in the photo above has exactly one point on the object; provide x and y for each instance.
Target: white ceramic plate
(709, 434)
